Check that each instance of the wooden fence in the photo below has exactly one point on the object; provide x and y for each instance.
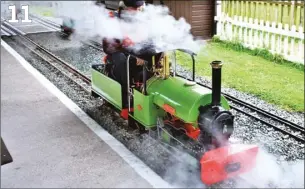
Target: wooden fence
(276, 26)
(285, 12)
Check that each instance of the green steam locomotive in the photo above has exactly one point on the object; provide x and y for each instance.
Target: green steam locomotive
(156, 92)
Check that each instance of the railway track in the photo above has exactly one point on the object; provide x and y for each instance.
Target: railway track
(60, 65)
(285, 126)
(84, 82)
(73, 74)
(234, 103)
(273, 121)
(55, 61)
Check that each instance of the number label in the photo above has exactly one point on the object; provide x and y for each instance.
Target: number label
(14, 13)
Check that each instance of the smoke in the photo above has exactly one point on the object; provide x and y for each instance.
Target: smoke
(154, 25)
(268, 172)
(271, 173)
(184, 172)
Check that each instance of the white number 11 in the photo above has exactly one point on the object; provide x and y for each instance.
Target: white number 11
(14, 15)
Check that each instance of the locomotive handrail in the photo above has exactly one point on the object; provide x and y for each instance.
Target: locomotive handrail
(187, 51)
(153, 52)
(131, 55)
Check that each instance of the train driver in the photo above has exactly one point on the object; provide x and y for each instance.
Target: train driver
(113, 48)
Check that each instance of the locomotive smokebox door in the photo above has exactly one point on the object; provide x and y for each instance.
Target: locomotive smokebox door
(5, 154)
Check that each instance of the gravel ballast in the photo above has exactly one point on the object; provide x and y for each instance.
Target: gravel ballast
(247, 130)
(147, 149)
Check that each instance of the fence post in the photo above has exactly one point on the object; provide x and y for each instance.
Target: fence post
(267, 42)
(292, 44)
(223, 24)
(219, 24)
(286, 40)
(245, 31)
(261, 39)
(229, 29)
(256, 32)
(250, 33)
(240, 33)
(279, 40)
(273, 38)
(301, 46)
(235, 28)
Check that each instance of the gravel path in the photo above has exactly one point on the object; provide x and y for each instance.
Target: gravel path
(276, 147)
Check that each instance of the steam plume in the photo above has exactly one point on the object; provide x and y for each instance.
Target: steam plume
(153, 25)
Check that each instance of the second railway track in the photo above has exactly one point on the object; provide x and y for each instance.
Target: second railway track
(278, 123)
(285, 126)
(84, 81)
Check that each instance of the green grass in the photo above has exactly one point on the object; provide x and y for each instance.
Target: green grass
(43, 11)
(268, 77)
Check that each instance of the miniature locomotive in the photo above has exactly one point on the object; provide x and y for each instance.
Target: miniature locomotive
(67, 28)
(155, 91)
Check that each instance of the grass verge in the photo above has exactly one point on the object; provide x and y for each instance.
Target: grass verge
(268, 77)
(43, 11)
(264, 53)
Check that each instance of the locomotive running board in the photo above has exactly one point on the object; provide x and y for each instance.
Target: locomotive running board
(227, 162)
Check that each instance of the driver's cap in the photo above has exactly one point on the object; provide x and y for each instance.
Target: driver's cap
(133, 3)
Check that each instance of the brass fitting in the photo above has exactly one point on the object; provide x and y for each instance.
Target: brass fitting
(216, 64)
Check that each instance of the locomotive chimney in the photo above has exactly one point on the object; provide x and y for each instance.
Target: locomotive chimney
(216, 82)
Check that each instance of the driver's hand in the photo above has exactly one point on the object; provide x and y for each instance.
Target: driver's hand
(140, 62)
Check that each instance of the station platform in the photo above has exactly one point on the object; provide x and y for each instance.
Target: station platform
(51, 145)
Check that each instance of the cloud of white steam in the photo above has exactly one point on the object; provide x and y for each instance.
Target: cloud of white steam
(154, 24)
(183, 173)
(269, 173)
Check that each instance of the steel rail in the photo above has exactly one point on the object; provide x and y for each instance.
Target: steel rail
(251, 107)
(256, 109)
(58, 60)
(261, 111)
(85, 79)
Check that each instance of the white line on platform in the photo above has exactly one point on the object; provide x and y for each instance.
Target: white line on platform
(143, 170)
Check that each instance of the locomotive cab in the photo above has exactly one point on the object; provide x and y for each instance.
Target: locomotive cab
(203, 115)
